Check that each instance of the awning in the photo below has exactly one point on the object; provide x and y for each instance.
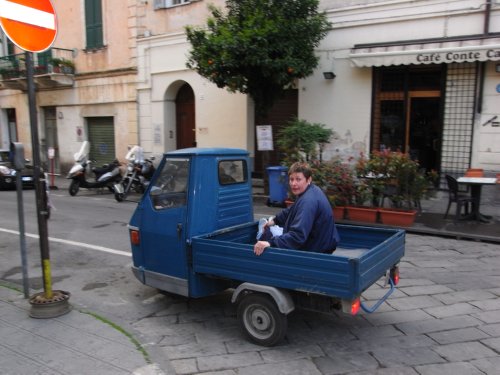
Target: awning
(436, 52)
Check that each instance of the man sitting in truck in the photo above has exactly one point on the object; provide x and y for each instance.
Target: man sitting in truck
(308, 224)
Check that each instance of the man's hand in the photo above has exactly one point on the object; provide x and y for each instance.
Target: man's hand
(260, 246)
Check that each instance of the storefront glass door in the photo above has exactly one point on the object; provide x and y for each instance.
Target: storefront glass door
(424, 131)
(407, 113)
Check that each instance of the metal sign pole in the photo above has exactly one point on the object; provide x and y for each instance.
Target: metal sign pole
(22, 234)
(42, 219)
(48, 304)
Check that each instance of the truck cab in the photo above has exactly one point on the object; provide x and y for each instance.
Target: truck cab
(195, 191)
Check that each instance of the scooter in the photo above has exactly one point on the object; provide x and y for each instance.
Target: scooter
(106, 176)
(139, 173)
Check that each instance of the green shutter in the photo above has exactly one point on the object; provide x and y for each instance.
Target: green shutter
(102, 140)
(93, 23)
(44, 57)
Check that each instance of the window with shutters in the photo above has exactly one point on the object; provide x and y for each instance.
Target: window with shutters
(93, 24)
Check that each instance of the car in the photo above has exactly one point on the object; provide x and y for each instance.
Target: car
(8, 173)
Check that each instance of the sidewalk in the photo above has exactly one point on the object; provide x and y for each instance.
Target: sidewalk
(431, 219)
(78, 342)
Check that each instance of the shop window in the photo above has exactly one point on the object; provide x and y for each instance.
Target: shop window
(392, 120)
(392, 80)
(424, 80)
(407, 112)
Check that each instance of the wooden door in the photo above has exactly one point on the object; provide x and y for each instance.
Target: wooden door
(283, 110)
(185, 117)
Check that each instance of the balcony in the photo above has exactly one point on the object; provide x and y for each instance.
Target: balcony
(52, 69)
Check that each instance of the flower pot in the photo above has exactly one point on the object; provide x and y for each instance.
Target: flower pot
(400, 218)
(362, 214)
(338, 212)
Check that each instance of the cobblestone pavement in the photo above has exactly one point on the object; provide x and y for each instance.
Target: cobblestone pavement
(444, 318)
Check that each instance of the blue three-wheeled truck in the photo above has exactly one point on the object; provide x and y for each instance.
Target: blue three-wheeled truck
(193, 233)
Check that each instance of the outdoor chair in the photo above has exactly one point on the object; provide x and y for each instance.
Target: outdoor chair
(460, 199)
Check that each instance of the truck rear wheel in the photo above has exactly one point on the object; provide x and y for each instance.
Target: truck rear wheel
(260, 319)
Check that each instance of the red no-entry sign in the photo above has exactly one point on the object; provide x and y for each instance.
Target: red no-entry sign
(30, 24)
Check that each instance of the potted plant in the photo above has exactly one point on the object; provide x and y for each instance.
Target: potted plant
(394, 175)
(338, 181)
(61, 65)
(301, 140)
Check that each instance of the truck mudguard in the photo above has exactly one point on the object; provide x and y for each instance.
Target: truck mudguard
(280, 296)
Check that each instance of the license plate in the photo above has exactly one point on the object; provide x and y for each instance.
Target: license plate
(26, 178)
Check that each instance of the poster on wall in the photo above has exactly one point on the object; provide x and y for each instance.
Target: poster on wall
(79, 134)
(157, 135)
(264, 138)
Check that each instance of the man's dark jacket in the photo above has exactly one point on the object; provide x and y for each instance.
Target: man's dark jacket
(308, 224)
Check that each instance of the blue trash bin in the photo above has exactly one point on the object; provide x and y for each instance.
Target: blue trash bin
(278, 185)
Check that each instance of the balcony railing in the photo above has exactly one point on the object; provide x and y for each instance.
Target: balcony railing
(47, 66)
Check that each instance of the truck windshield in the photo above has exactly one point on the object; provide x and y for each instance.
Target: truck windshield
(170, 188)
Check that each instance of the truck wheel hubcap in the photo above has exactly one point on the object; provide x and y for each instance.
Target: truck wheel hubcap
(259, 322)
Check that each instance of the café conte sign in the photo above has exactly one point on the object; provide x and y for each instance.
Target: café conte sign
(458, 56)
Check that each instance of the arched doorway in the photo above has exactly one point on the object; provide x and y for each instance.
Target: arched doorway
(185, 117)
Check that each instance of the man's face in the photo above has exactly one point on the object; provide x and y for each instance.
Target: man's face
(298, 183)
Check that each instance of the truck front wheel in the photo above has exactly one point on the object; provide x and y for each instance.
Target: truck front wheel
(260, 319)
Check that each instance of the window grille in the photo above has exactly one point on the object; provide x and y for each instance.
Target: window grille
(458, 119)
(161, 4)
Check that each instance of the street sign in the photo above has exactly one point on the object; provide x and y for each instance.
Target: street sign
(30, 24)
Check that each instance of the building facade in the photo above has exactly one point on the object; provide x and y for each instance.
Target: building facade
(177, 107)
(419, 76)
(415, 76)
(85, 84)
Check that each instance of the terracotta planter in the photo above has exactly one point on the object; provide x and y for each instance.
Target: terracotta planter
(362, 214)
(400, 218)
(338, 212)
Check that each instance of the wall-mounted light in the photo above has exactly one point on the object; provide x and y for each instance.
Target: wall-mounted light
(497, 68)
(329, 75)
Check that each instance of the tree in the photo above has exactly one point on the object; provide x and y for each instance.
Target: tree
(258, 47)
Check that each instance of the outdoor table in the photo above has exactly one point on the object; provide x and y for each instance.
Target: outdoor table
(476, 184)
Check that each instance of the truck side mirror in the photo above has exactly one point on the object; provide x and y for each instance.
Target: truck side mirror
(16, 155)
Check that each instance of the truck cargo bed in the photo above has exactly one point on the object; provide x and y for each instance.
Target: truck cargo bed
(362, 257)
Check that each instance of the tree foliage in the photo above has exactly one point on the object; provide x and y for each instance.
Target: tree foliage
(258, 47)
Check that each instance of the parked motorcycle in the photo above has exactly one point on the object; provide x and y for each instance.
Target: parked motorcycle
(106, 176)
(139, 173)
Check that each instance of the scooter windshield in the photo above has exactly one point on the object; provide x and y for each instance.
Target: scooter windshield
(84, 151)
